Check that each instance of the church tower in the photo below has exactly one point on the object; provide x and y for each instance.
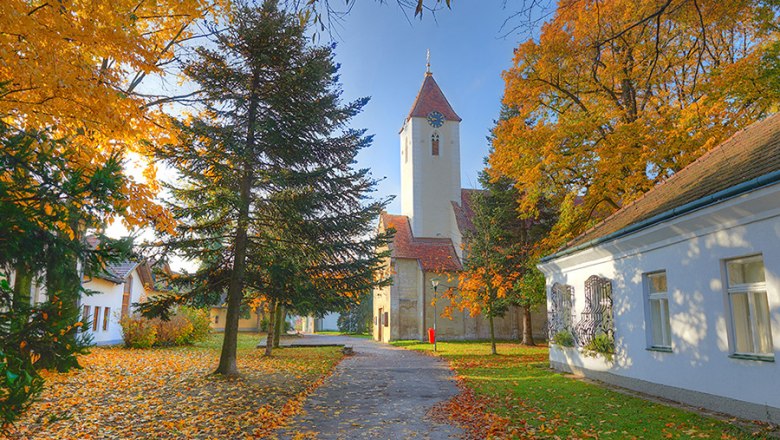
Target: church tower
(430, 162)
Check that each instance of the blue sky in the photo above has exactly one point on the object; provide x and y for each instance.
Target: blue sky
(382, 53)
(382, 56)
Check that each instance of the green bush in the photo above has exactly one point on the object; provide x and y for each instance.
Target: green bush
(201, 323)
(564, 339)
(138, 332)
(601, 344)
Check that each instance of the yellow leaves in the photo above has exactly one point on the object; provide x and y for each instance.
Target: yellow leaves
(75, 66)
(602, 115)
(169, 393)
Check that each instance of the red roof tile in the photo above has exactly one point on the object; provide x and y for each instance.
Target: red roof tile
(464, 214)
(748, 154)
(434, 254)
(430, 98)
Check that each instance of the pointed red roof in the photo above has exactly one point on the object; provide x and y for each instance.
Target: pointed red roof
(430, 98)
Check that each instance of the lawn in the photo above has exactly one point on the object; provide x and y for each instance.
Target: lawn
(524, 398)
(169, 393)
(351, 335)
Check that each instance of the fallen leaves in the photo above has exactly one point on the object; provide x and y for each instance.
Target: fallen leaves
(170, 393)
(471, 413)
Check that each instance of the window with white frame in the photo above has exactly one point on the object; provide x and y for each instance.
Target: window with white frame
(751, 325)
(657, 302)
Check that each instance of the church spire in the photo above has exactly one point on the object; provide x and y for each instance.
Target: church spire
(428, 63)
(430, 98)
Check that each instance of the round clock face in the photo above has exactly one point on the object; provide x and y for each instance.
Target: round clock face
(436, 119)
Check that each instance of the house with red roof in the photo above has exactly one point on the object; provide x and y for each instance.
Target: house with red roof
(428, 243)
(685, 282)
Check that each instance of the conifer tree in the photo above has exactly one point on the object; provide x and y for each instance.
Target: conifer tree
(500, 256)
(46, 208)
(269, 201)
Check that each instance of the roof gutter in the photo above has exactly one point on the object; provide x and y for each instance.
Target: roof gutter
(733, 191)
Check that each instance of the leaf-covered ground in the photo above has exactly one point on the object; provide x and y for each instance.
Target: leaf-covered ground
(169, 393)
(516, 395)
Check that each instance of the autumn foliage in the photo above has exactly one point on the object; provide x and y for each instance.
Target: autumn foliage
(168, 393)
(74, 68)
(616, 96)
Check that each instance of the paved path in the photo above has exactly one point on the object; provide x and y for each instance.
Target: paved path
(380, 392)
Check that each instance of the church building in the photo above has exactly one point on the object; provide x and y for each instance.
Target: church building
(428, 244)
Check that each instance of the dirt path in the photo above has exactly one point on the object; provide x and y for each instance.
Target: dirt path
(380, 392)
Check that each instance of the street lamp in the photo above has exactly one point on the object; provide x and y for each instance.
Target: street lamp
(435, 284)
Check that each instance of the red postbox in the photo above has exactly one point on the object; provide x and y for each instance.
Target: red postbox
(431, 336)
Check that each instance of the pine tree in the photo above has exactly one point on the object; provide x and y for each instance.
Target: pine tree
(269, 201)
(46, 208)
(500, 256)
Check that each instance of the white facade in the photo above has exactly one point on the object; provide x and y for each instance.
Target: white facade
(107, 302)
(430, 182)
(703, 365)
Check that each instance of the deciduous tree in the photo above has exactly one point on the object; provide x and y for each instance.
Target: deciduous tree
(500, 254)
(617, 96)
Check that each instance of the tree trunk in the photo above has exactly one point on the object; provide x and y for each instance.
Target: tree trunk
(492, 335)
(528, 334)
(227, 359)
(269, 339)
(22, 285)
(279, 324)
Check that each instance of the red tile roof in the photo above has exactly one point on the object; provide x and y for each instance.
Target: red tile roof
(430, 98)
(464, 214)
(750, 153)
(434, 254)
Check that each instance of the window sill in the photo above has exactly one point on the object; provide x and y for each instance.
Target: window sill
(660, 349)
(753, 357)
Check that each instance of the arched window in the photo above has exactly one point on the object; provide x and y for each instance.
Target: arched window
(435, 144)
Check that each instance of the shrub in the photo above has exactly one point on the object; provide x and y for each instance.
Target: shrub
(187, 326)
(601, 344)
(564, 339)
(201, 323)
(264, 325)
(138, 332)
(174, 331)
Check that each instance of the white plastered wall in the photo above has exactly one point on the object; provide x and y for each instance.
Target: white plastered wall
(691, 249)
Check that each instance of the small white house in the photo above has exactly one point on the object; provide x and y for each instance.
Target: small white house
(686, 281)
(123, 285)
(113, 294)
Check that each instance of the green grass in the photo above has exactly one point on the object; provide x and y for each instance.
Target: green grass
(522, 388)
(351, 335)
(246, 340)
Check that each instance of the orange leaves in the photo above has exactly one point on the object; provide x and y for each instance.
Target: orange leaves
(169, 393)
(73, 67)
(607, 103)
(471, 413)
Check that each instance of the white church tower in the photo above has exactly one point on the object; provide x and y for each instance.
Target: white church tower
(430, 163)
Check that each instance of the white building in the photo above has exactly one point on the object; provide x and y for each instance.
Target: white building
(112, 295)
(687, 281)
(115, 292)
(435, 215)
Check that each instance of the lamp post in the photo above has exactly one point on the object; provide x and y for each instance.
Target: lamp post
(435, 284)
